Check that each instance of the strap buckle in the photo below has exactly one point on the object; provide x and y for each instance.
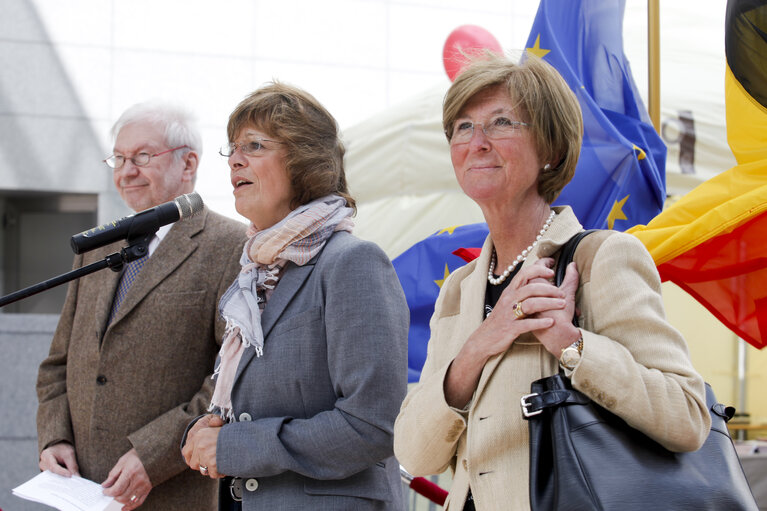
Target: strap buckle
(527, 405)
(235, 489)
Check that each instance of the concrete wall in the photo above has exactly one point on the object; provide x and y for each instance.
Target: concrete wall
(24, 342)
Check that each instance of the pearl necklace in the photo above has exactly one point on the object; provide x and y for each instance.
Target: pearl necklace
(521, 257)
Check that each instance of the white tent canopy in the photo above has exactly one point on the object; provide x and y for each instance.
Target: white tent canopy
(399, 171)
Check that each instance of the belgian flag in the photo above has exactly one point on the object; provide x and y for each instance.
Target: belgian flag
(713, 241)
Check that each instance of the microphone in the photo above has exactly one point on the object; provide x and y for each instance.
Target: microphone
(141, 224)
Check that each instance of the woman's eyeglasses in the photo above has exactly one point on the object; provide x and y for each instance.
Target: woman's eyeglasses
(254, 147)
(496, 129)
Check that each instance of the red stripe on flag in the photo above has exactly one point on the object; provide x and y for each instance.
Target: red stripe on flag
(468, 254)
(728, 275)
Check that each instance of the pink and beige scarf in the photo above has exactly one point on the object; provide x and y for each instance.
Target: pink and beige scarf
(298, 238)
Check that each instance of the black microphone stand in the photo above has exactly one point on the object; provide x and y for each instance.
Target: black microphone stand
(136, 248)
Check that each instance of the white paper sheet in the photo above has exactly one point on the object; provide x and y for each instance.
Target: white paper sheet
(66, 493)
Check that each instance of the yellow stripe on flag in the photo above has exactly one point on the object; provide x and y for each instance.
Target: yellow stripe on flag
(725, 201)
(716, 206)
(746, 122)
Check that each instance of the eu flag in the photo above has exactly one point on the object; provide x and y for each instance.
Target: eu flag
(620, 180)
(421, 270)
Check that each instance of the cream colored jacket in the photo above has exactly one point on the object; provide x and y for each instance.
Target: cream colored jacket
(634, 363)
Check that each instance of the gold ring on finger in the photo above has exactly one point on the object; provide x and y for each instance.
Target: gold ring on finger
(518, 312)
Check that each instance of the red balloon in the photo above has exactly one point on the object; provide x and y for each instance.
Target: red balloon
(466, 40)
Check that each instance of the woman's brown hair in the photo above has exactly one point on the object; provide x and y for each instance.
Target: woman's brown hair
(314, 152)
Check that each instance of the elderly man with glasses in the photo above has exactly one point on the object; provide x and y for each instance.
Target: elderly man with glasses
(131, 359)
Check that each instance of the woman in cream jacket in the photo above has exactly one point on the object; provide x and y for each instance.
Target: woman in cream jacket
(515, 133)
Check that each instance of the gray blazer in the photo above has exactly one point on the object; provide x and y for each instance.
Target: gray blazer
(315, 414)
(137, 382)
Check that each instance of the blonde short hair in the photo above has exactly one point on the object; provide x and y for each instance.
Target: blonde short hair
(542, 98)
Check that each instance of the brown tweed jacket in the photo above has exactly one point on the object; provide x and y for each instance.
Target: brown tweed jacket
(137, 382)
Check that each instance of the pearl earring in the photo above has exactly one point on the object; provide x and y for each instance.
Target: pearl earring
(547, 167)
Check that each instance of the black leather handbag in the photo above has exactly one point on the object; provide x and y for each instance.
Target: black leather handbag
(583, 457)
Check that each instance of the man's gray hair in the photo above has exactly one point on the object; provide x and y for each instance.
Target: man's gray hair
(179, 123)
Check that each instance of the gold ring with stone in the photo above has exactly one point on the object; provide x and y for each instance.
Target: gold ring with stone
(518, 312)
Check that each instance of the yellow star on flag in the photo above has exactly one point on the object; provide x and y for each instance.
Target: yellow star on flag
(617, 212)
(642, 155)
(442, 280)
(536, 49)
(448, 230)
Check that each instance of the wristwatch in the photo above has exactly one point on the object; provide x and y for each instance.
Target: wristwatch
(571, 355)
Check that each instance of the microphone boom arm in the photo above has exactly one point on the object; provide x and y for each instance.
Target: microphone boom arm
(137, 248)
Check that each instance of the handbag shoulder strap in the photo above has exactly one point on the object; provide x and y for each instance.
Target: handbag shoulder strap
(583, 257)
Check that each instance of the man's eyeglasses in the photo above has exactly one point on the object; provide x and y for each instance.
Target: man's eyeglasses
(116, 161)
(254, 147)
(496, 129)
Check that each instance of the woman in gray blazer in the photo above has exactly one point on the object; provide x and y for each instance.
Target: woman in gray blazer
(313, 365)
